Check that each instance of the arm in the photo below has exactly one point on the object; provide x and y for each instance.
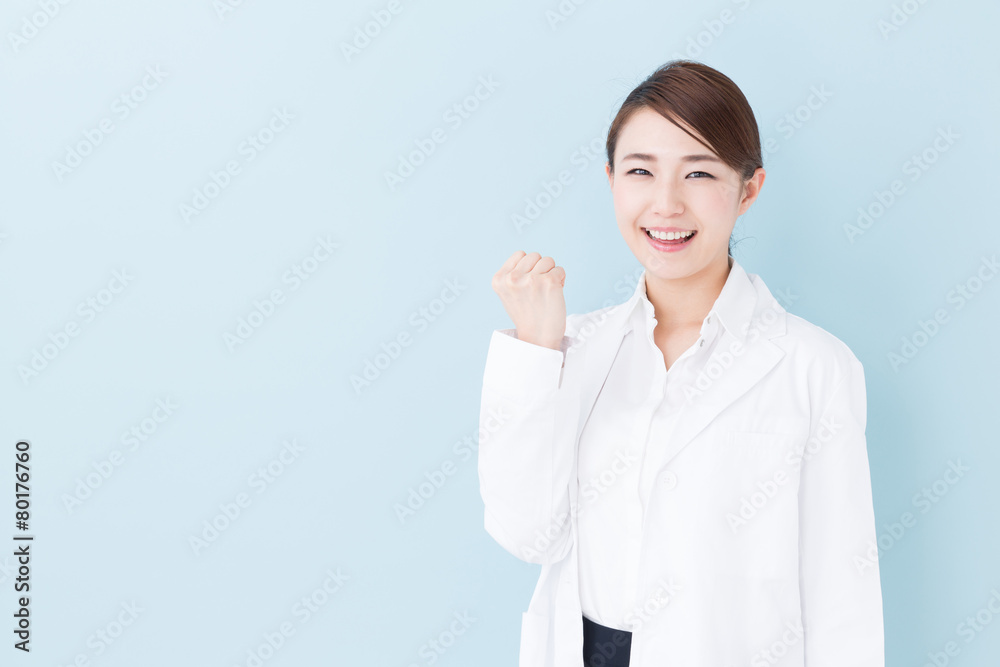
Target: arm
(527, 424)
(841, 601)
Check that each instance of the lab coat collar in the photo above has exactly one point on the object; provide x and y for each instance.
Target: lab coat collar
(734, 306)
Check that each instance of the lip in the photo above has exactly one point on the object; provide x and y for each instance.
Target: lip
(667, 246)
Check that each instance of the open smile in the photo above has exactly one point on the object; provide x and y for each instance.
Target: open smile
(669, 241)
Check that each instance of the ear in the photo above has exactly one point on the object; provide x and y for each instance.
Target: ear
(751, 188)
(607, 170)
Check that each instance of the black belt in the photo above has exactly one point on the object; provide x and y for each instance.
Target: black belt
(604, 646)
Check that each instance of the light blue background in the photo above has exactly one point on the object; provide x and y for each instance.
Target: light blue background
(323, 175)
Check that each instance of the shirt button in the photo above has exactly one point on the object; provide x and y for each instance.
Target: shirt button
(701, 342)
(669, 480)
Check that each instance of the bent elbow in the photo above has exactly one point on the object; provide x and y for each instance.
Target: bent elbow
(542, 543)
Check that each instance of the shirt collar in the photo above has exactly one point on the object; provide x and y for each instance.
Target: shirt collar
(733, 307)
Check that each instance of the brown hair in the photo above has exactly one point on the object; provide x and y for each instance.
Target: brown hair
(707, 101)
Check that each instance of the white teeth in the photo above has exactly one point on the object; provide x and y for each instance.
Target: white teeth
(668, 236)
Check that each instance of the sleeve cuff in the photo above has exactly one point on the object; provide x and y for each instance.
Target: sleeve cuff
(517, 368)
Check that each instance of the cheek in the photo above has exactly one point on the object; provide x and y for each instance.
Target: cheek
(715, 207)
(628, 205)
(715, 198)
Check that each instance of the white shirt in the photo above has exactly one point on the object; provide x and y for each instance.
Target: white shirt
(634, 415)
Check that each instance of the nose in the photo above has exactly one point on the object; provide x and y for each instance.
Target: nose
(667, 200)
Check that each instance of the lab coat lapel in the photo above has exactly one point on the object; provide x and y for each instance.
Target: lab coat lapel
(736, 364)
(595, 355)
(747, 369)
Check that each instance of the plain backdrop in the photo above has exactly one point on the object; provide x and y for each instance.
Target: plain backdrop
(245, 262)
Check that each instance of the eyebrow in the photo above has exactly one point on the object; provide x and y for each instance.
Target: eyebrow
(687, 158)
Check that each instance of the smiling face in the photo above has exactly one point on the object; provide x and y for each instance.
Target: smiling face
(667, 182)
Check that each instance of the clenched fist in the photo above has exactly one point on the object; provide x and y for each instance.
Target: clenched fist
(531, 289)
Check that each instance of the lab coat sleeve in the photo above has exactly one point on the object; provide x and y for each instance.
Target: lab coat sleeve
(840, 589)
(526, 447)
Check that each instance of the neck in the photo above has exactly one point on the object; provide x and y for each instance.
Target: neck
(685, 302)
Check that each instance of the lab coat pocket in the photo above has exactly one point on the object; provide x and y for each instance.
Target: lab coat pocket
(534, 639)
(771, 437)
(753, 444)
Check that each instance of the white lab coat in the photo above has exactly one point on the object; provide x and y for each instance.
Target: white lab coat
(789, 578)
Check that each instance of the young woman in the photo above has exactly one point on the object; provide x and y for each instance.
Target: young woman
(689, 467)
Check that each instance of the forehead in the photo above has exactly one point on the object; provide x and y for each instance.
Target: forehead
(649, 132)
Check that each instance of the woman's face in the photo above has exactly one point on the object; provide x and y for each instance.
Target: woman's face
(666, 180)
